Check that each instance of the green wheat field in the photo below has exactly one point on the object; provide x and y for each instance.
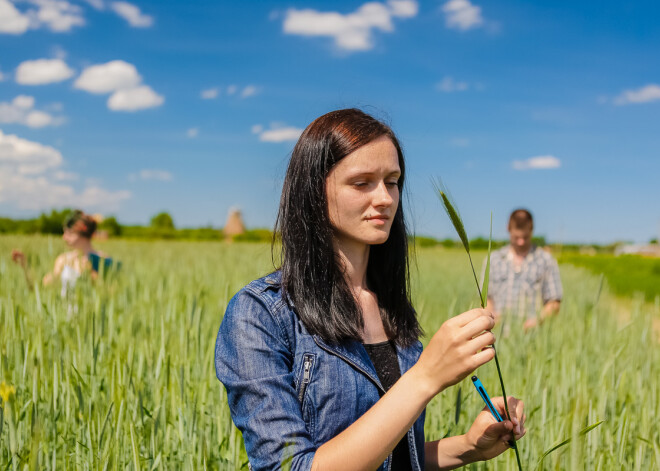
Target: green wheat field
(120, 374)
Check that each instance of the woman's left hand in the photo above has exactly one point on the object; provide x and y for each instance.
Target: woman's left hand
(487, 437)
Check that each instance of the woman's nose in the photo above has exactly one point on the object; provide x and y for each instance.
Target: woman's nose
(383, 196)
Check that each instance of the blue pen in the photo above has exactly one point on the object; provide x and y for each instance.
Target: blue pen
(484, 395)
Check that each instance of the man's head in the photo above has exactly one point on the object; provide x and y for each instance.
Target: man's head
(521, 226)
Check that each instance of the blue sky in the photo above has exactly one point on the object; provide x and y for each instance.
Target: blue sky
(194, 107)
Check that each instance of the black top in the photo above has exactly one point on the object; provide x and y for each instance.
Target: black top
(383, 356)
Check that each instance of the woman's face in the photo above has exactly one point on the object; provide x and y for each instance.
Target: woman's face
(70, 237)
(363, 193)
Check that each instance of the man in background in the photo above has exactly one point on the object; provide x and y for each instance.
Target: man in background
(521, 274)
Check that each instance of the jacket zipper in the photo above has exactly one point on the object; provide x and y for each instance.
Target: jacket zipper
(307, 374)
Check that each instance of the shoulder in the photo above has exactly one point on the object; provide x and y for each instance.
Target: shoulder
(260, 307)
(500, 254)
(543, 255)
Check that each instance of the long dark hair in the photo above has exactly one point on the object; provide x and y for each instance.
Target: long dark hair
(312, 275)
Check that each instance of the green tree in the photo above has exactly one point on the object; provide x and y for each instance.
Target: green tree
(162, 221)
(111, 226)
(52, 223)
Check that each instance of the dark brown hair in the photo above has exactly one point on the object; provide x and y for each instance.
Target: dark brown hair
(312, 275)
(521, 219)
(82, 224)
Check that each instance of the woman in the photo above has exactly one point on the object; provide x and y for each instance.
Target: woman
(69, 266)
(321, 359)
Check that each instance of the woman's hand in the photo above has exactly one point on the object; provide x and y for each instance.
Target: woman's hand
(18, 257)
(487, 437)
(458, 348)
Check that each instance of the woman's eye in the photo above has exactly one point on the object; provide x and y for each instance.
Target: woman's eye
(392, 183)
(360, 184)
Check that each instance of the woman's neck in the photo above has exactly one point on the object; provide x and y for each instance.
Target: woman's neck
(354, 258)
(84, 246)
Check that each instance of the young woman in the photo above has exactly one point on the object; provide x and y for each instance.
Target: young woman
(69, 266)
(321, 359)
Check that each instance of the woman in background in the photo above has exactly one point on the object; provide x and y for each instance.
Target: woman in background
(69, 266)
(321, 359)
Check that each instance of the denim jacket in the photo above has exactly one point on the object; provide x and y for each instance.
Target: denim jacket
(288, 391)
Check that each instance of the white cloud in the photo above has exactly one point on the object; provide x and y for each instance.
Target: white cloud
(151, 174)
(30, 173)
(134, 99)
(42, 71)
(2, 76)
(449, 85)
(277, 133)
(108, 77)
(209, 93)
(231, 89)
(20, 111)
(132, 14)
(97, 4)
(403, 8)
(539, 162)
(27, 157)
(352, 31)
(124, 80)
(65, 176)
(12, 21)
(192, 132)
(462, 15)
(249, 91)
(644, 94)
(58, 15)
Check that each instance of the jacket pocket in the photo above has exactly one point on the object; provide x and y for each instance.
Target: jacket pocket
(305, 375)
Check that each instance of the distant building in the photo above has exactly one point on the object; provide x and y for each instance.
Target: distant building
(234, 225)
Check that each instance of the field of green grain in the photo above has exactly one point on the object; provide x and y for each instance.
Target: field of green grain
(120, 375)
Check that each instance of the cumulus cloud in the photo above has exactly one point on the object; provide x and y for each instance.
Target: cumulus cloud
(108, 77)
(449, 85)
(31, 176)
(462, 15)
(57, 15)
(538, 162)
(277, 133)
(192, 132)
(21, 111)
(232, 89)
(209, 93)
(352, 31)
(12, 21)
(644, 94)
(134, 99)
(42, 71)
(132, 14)
(152, 174)
(123, 81)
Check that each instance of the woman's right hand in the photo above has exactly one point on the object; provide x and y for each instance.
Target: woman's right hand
(457, 349)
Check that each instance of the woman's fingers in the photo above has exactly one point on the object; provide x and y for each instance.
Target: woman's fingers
(465, 318)
(476, 326)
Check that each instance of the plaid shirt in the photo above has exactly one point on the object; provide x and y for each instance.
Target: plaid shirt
(518, 291)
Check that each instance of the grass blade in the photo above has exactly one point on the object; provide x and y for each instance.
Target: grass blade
(584, 431)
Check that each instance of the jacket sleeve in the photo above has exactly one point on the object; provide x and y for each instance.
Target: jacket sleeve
(255, 363)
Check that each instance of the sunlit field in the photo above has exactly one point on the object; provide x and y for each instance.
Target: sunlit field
(120, 374)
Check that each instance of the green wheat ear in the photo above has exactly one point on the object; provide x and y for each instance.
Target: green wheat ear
(456, 220)
(453, 214)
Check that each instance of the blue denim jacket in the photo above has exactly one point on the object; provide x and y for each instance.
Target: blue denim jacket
(288, 391)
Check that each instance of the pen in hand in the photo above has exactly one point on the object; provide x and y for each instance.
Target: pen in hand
(489, 404)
